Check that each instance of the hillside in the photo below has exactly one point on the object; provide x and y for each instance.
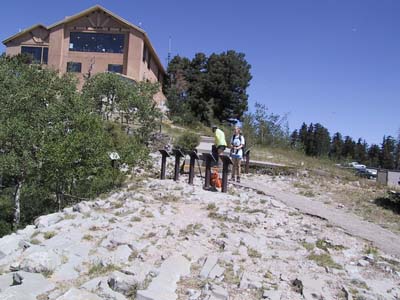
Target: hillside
(167, 240)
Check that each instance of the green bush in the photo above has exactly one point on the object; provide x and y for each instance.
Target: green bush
(187, 142)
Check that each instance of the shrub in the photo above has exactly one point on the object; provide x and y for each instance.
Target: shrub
(187, 142)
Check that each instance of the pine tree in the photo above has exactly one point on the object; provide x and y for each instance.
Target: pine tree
(348, 150)
(387, 155)
(336, 149)
(373, 156)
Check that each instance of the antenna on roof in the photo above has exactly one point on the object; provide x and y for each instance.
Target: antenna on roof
(169, 50)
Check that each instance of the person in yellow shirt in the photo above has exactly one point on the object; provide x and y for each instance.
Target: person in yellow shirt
(219, 142)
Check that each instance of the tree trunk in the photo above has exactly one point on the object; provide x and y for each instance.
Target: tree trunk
(17, 213)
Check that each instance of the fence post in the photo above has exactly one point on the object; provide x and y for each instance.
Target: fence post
(226, 161)
(208, 158)
(163, 163)
(247, 166)
(178, 154)
(193, 156)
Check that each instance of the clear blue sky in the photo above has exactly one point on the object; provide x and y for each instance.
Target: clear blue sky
(328, 61)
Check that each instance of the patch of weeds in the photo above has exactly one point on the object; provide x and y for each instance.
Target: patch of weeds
(369, 249)
(293, 213)
(169, 232)
(149, 235)
(325, 245)
(136, 219)
(359, 283)
(211, 206)
(47, 273)
(263, 201)
(64, 259)
(190, 229)
(49, 234)
(69, 217)
(133, 255)
(216, 216)
(308, 193)
(169, 198)
(324, 260)
(308, 246)
(87, 237)
(113, 220)
(99, 269)
(255, 211)
(94, 228)
(268, 275)
(237, 209)
(230, 276)
(301, 185)
(147, 214)
(253, 253)
(118, 204)
(36, 233)
(35, 241)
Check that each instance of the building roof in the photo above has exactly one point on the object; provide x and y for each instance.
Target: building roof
(85, 12)
(22, 32)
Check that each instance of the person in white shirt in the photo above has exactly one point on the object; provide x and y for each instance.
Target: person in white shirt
(237, 146)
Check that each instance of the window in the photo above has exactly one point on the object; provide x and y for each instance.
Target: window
(148, 61)
(96, 42)
(115, 68)
(144, 53)
(39, 54)
(74, 67)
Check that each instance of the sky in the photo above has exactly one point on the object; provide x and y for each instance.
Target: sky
(334, 62)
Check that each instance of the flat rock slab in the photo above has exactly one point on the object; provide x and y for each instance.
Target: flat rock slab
(164, 285)
(75, 294)
(352, 224)
(32, 286)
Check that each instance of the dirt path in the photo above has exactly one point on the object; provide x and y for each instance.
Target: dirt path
(352, 224)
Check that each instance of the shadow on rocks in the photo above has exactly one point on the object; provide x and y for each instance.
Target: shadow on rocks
(388, 203)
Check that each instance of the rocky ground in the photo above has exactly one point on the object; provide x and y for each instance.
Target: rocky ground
(165, 240)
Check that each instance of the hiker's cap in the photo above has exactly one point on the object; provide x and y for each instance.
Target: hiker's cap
(214, 126)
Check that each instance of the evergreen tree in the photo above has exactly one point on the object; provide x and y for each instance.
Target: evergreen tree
(207, 88)
(374, 156)
(349, 146)
(309, 143)
(387, 155)
(294, 139)
(336, 149)
(321, 138)
(361, 151)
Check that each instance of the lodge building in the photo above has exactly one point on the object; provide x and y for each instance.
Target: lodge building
(92, 41)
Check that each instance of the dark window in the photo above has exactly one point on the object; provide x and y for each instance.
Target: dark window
(144, 53)
(45, 55)
(148, 61)
(36, 54)
(74, 67)
(96, 42)
(115, 68)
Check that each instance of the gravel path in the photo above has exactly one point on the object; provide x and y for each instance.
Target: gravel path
(352, 224)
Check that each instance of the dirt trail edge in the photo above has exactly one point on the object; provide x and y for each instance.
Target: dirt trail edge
(382, 238)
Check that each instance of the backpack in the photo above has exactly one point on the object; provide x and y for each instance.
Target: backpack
(244, 145)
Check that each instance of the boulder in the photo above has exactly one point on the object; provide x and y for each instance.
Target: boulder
(209, 264)
(76, 294)
(164, 285)
(31, 286)
(48, 220)
(122, 283)
(38, 262)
